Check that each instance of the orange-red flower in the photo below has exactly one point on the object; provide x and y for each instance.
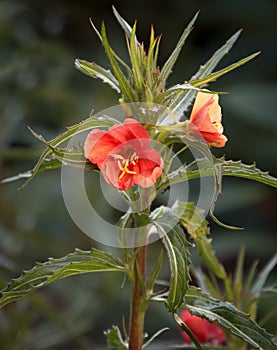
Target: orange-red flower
(124, 155)
(204, 331)
(205, 119)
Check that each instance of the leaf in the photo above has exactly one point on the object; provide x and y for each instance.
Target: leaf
(97, 72)
(180, 104)
(227, 168)
(215, 167)
(239, 275)
(154, 274)
(114, 339)
(176, 246)
(123, 83)
(229, 317)
(204, 247)
(43, 162)
(212, 77)
(125, 26)
(154, 336)
(251, 172)
(257, 288)
(52, 270)
(193, 220)
(134, 50)
(167, 68)
(204, 166)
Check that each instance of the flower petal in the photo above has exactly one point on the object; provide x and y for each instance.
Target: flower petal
(204, 331)
(129, 130)
(149, 168)
(98, 145)
(205, 119)
(123, 155)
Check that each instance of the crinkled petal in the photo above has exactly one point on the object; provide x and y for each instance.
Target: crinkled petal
(129, 130)
(214, 139)
(148, 168)
(205, 119)
(98, 145)
(123, 155)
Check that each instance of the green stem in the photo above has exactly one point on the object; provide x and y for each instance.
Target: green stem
(138, 302)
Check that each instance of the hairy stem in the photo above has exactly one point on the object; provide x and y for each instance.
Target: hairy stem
(138, 301)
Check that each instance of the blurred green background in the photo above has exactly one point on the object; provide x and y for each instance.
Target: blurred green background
(40, 87)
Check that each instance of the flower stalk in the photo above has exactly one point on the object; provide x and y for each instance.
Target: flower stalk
(138, 301)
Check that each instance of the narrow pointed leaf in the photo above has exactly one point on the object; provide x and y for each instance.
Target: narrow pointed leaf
(251, 172)
(193, 220)
(210, 65)
(228, 168)
(96, 30)
(42, 163)
(135, 60)
(154, 336)
(257, 288)
(167, 68)
(125, 26)
(229, 317)
(213, 76)
(176, 246)
(181, 103)
(204, 247)
(97, 72)
(43, 274)
(123, 83)
(155, 272)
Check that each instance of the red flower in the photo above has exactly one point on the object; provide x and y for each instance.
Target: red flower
(205, 119)
(204, 331)
(124, 156)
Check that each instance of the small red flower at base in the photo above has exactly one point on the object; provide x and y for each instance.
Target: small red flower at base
(205, 119)
(124, 156)
(204, 331)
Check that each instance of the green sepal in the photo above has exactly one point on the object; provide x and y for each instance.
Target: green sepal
(52, 270)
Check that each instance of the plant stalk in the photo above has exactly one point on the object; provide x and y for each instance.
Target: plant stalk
(138, 301)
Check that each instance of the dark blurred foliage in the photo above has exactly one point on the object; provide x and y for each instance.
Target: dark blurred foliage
(40, 87)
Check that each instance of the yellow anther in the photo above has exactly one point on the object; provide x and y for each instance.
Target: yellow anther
(124, 169)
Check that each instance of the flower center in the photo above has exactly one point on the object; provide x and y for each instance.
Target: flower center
(124, 164)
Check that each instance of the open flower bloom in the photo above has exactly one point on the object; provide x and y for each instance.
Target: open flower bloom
(124, 156)
(204, 331)
(205, 119)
